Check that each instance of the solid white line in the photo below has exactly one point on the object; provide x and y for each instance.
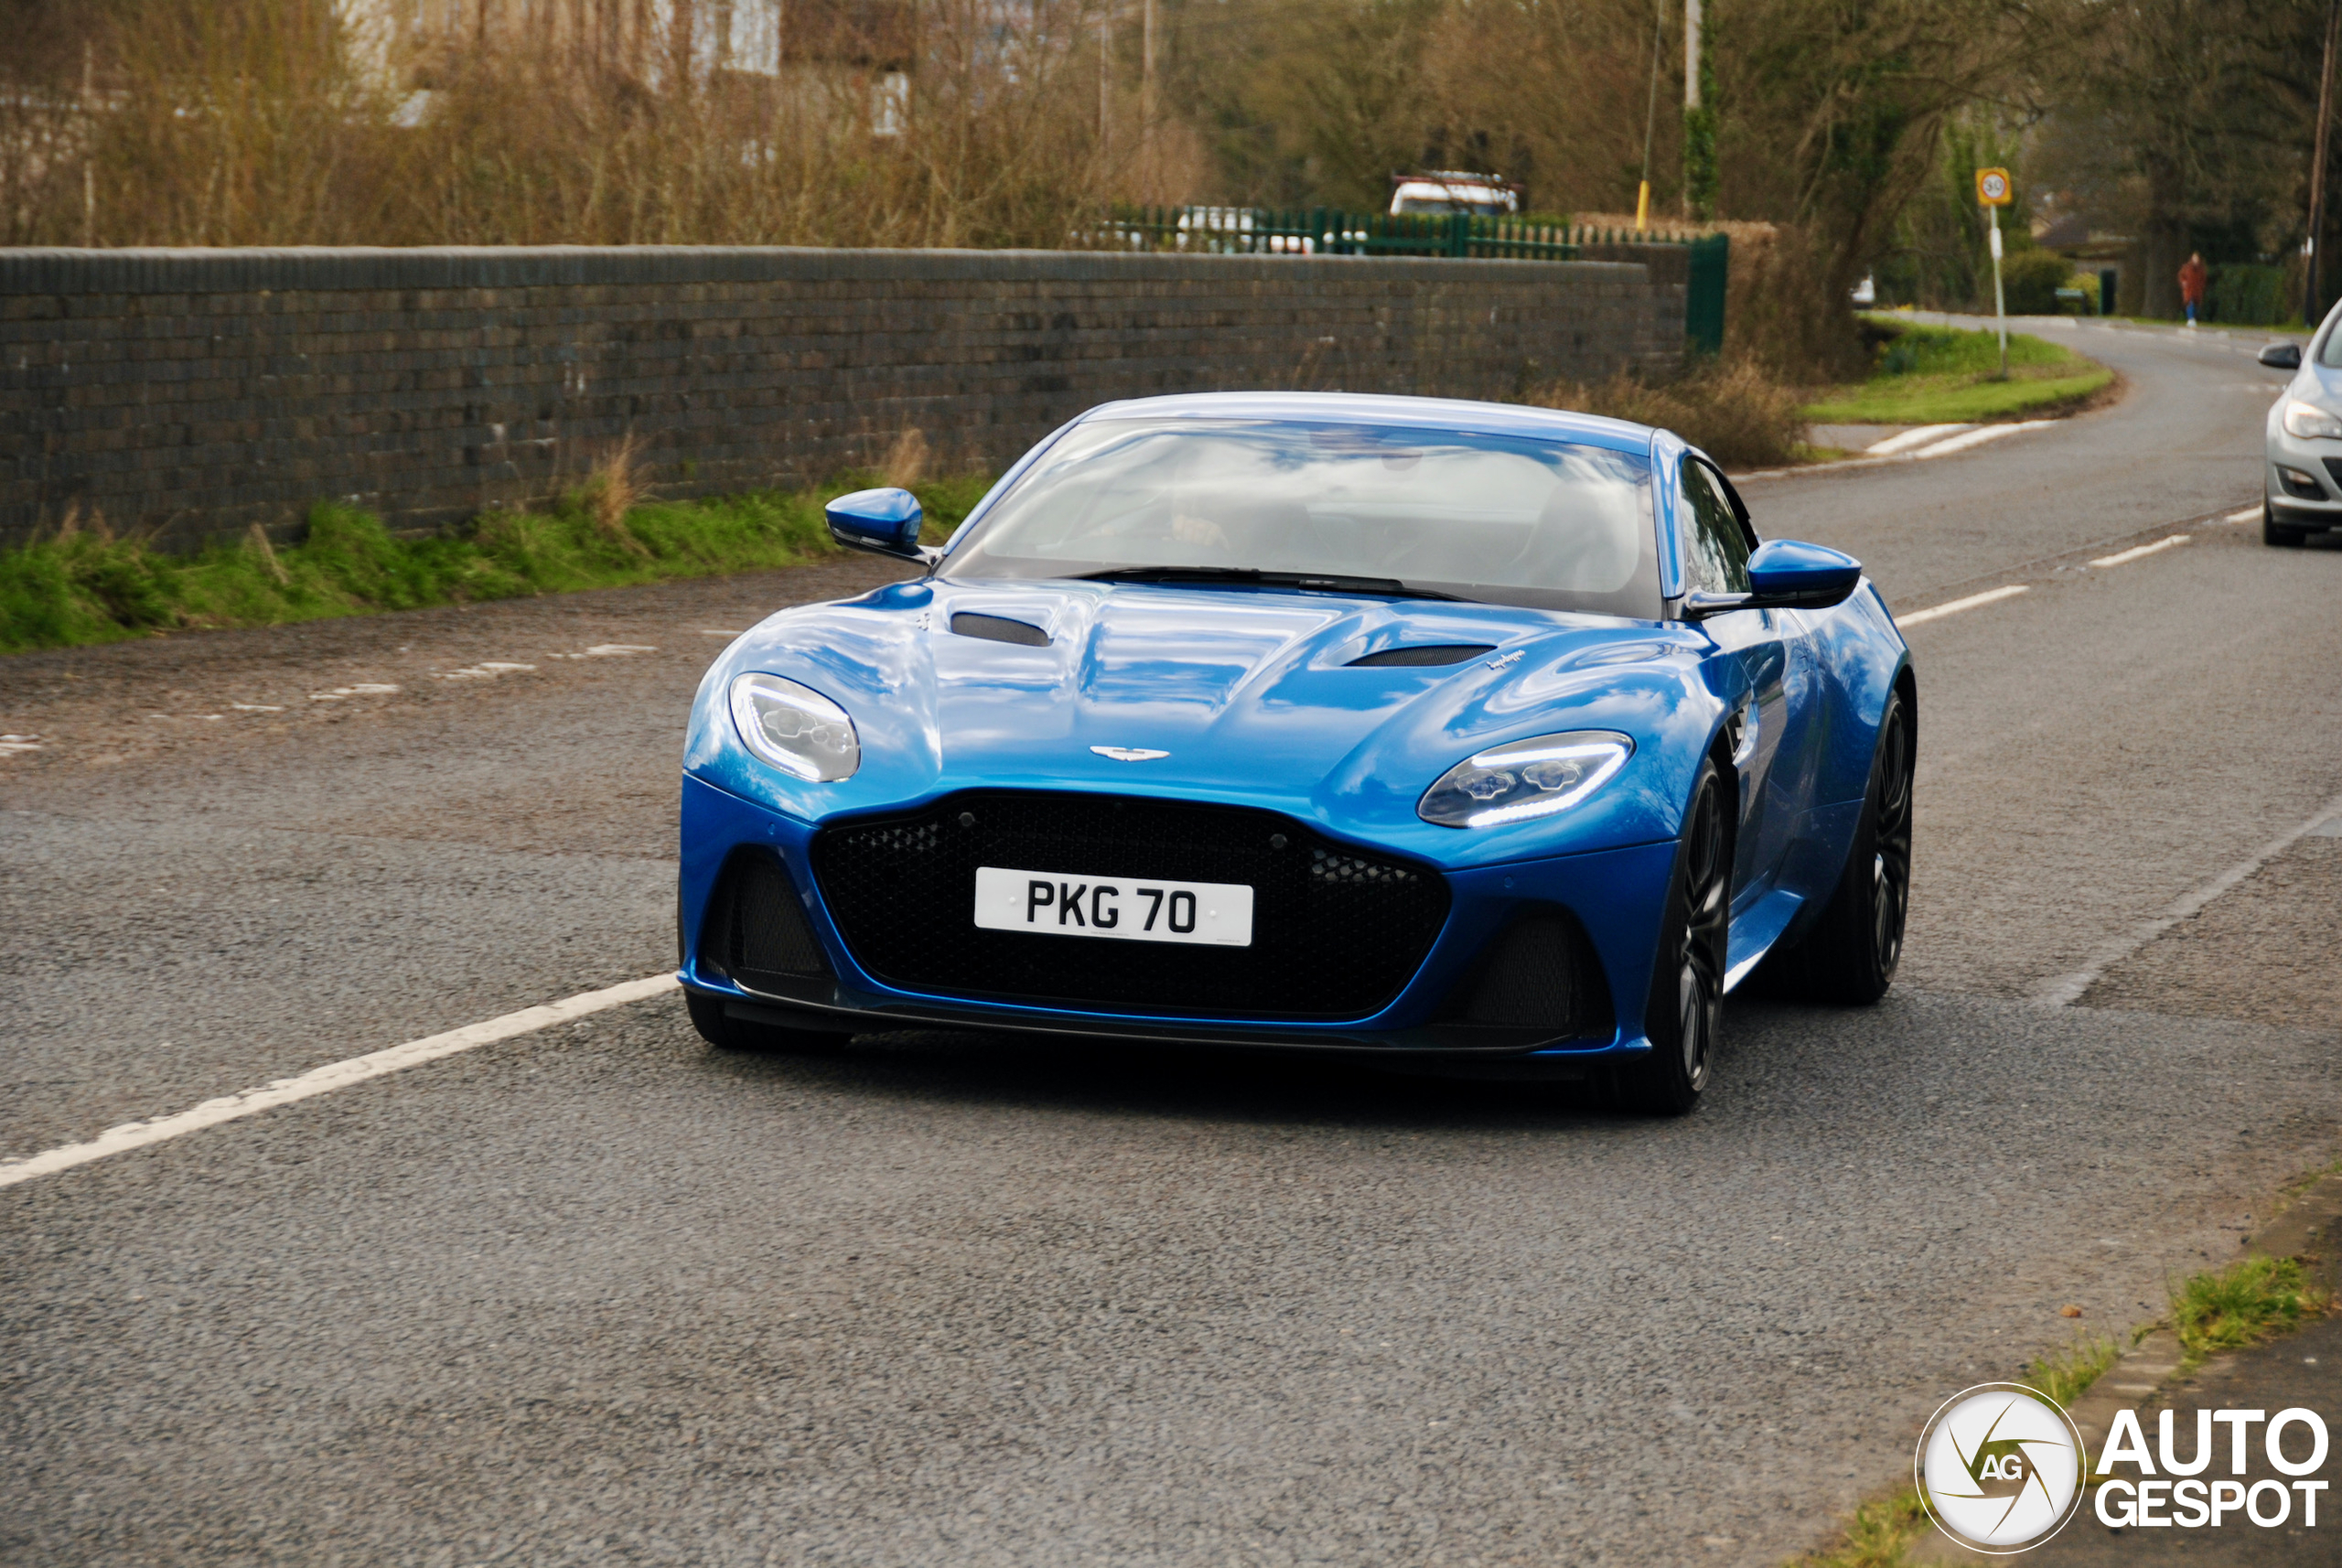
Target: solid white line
(2121, 556)
(1970, 602)
(325, 1079)
(1977, 437)
(1908, 439)
(2250, 514)
(2065, 989)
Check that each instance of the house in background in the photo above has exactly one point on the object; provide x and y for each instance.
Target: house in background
(787, 43)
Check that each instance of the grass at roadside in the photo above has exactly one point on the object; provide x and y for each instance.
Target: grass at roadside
(86, 585)
(1941, 375)
(2239, 1306)
(2249, 1302)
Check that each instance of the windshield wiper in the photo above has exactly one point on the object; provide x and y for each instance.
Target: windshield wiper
(1391, 588)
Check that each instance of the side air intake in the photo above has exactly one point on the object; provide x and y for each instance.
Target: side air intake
(757, 926)
(999, 628)
(1542, 973)
(1444, 653)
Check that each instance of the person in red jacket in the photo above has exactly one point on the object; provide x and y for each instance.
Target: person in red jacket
(2192, 278)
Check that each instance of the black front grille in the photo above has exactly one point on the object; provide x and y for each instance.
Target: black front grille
(1336, 933)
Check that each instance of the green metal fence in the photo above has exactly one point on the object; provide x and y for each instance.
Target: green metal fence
(1329, 231)
(1703, 293)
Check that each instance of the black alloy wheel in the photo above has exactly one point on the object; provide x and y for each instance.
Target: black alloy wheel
(1850, 953)
(1684, 1014)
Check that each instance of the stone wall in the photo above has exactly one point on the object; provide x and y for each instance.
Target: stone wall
(187, 393)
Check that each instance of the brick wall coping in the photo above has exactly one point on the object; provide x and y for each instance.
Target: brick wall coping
(58, 270)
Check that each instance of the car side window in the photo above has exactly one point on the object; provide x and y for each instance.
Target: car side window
(1715, 550)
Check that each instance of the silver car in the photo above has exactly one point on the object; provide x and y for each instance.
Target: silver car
(2302, 489)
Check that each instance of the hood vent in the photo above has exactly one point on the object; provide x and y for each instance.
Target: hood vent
(1445, 653)
(996, 629)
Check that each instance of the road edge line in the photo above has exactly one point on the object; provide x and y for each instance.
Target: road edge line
(2064, 990)
(325, 1079)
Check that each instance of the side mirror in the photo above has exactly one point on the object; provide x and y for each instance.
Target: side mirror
(2283, 355)
(884, 520)
(1784, 574)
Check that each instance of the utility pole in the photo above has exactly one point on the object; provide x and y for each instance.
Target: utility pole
(1105, 75)
(1650, 115)
(2317, 171)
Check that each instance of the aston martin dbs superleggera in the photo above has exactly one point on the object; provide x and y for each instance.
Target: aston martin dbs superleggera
(1461, 736)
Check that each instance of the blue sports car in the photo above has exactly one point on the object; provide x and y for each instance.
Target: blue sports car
(1465, 737)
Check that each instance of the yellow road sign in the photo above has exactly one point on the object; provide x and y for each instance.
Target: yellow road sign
(1992, 189)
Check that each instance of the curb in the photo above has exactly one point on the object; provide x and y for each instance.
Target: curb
(2149, 1371)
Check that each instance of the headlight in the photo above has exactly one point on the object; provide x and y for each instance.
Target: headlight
(1525, 779)
(795, 728)
(2306, 419)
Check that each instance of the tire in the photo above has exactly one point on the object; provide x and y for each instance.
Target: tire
(1850, 953)
(2277, 534)
(726, 1034)
(1684, 1013)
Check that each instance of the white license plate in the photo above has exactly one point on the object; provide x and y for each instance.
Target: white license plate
(1123, 909)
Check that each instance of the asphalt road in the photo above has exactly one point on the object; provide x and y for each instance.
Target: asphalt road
(599, 1295)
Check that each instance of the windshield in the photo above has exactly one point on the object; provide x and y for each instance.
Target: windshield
(1545, 524)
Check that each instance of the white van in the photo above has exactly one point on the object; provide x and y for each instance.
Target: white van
(1451, 190)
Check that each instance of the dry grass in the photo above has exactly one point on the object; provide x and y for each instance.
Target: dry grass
(1733, 410)
(268, 123)
(614, 488)
(906, 460)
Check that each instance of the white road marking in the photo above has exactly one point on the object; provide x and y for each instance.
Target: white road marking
(2064, 990)
(257, 707)
(2121, 556)
(2250, 514)
(363, 689)
(325, 1079)
(1910, 438)
(1989, 596)
(1978, 437)
(486, 669)
(604, 649)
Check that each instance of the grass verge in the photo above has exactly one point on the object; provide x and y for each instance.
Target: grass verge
(1941, 375)
(2235, 1308)
(2250, 1301)
(85, 585)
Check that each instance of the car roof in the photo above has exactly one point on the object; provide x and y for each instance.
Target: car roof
(1371, 408)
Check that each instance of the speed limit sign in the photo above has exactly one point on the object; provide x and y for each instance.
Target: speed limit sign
(1991, 188)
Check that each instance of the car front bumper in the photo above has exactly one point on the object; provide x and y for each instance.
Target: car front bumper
(2306, 458)
(1617, 896)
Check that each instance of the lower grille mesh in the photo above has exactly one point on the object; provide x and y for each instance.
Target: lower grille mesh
(1336, 933)
(756, 924)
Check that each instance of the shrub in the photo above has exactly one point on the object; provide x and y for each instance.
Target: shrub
(1733, 411)
(2030, 281)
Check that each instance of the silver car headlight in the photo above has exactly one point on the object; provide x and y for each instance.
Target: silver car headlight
(2306, 419)
(795, 728)
(1525, 779)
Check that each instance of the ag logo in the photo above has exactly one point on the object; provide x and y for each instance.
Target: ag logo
(2000, 1467)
